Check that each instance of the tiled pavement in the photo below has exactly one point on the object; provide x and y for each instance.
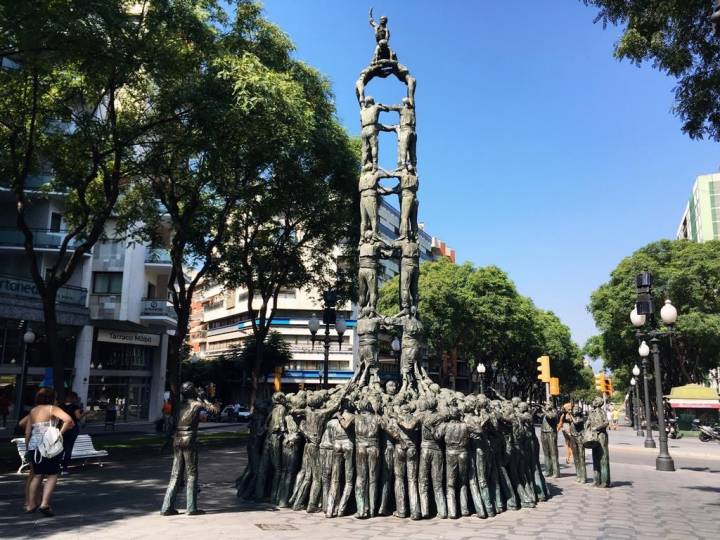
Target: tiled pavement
(122, 500)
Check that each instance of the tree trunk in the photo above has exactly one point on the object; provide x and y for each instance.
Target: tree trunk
(51, 333)
(255, 372)
(175, 346)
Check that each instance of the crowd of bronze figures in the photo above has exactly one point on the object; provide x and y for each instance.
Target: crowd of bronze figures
(414, 452)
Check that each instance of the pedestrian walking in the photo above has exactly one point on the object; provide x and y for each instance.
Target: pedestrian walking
(73, 411)
(564, 425)
(42, 438)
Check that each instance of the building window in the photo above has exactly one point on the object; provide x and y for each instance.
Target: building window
(107, 282)
(55, 222)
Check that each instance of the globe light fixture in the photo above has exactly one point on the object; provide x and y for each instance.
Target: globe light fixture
(644, 350)
(668, 313)
(637, 319)
(481, 368)
(633, 382)
(340, 327)
(636, 370)
(313, 324)
(29, 336)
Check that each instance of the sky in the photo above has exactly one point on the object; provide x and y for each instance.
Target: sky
(538, 151)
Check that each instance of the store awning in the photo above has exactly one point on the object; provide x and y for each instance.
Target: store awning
(694, 396)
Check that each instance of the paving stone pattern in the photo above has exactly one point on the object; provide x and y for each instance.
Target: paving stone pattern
(122, 502)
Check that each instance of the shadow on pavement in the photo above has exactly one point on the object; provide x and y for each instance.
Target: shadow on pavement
(621, 483)
(710, 489)
(700, 469)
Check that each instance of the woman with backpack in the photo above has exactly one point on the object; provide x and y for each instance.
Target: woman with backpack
(44, 444)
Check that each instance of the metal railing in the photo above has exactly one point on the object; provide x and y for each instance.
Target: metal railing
(23, 287)
(157, 307)
(158, 256)
(42, 238)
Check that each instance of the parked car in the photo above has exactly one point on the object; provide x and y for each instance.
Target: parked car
(235, 413)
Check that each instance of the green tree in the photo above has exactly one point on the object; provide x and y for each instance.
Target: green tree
(686, 272)
(297, 222)
(76, 82)
(478, 313)
(677, 38)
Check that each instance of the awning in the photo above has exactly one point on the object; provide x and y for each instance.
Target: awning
(694, 396)
(694, 404)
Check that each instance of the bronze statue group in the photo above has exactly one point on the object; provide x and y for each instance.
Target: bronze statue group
(415, 451)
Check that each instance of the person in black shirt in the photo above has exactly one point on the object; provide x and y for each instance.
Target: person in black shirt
(73, 410)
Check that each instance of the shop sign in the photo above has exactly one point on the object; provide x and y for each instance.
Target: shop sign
(129, 338)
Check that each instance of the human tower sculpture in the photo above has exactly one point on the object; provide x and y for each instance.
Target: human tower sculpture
(412, 450)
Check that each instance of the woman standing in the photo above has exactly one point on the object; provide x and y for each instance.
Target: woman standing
(564, 426)
(73, 411)
(43, 416)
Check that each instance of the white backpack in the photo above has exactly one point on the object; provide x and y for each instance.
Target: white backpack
(51, 443)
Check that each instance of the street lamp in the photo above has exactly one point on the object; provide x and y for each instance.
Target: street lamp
(636, 397)
(644, 352)
(28, 339)
(644, 306)
(329, 318)
(481, 376)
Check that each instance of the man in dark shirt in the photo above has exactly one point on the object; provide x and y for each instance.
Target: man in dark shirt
(73, 410)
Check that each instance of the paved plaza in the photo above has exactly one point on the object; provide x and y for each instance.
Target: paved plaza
(122, 500)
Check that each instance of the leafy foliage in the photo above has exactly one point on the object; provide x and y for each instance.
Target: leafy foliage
(686, 272)
(479, 313)
(677, 38)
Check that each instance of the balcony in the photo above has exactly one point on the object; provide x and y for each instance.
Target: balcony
(25, 288)
(43, 239)
(158, 310)
(158, 256)
(105, 306)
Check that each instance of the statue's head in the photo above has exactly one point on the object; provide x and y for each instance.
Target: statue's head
(391, 388)
(407, 408)
(383, 20)
(367, 167)
(470, 405)
(368, 235)
(315, 400)
(482, 401)
(597, 402)
(406, 101)
(188, 390)
(454, 413)
(523, 406)
(278, 398)
(515, 401)
(375, 401)
(369, 100)
(435, 388)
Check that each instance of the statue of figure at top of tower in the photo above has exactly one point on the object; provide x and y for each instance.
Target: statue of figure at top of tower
(382, 37)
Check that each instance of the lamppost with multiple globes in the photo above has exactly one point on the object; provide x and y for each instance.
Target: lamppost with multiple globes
(645, 307)
(329, 318)
(636, 412)
(28, 339)
(636, 390)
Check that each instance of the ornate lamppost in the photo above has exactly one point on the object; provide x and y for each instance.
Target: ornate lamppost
(329, 318)
(28, 339)
(636, 397)
(645, 306)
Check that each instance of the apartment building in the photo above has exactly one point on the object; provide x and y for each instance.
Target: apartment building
(113, 314)
(222, 324)
(701, 219)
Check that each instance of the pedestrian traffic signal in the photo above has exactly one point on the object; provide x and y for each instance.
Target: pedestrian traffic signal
(554, 386)
(609, 386)
(600, 383)
(543, 369)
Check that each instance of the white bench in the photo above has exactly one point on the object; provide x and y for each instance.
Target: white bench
(83, 449)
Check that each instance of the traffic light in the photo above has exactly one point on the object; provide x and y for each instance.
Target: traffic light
(554, 386)
(543, 369)
(608, 386)
(600, 383)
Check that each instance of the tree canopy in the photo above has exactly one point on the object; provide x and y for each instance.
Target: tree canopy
(687, 273)
(677, 38)
(478, 313)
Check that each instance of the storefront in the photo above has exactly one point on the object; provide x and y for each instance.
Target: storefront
(126, 371)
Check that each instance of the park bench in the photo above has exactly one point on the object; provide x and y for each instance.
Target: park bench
(83, 449)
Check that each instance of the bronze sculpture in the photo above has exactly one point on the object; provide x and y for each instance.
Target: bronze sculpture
(185, 451)
(548, 432)
(595, 437)
(577, 426)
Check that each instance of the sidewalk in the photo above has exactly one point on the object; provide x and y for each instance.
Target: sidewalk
(122, 502)
(625, 438)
